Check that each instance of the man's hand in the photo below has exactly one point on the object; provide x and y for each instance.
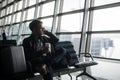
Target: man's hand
(47, 48)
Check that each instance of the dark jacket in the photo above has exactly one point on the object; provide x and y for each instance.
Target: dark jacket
(30, 45)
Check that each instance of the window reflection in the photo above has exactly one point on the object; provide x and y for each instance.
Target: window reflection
(106, 45)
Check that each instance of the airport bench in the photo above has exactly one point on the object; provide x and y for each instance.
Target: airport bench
(74, 63)
(15, 67)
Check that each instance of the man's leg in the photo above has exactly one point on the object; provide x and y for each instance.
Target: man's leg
(55, 57)
(49, 75)
(59, 54)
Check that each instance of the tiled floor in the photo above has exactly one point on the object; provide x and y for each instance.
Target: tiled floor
(66, 77)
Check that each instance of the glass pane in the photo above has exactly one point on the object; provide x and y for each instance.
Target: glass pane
(48, 9)
(14, 37)
(11, 7)
(14, 17)
(70, 5)
(20, 5)
(1, 21)
(15, 29)
(8, 19)
(74, 38)
(32, 2)
(106, 45)
(30, 13)
(71, 23)
(106, 19)
(3, 3)
(22, 31)
(24, 15)
(47, 23)
(26, 28)
(3, 13)
(7, 30)
(15, 8)
(103, 2)
(26, 3)
(8, 10)
(9, 1)
(39, 11)
(18, 17)
(42, 0)
(0, 32)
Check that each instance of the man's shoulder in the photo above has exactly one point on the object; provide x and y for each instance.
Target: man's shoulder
(27, 39)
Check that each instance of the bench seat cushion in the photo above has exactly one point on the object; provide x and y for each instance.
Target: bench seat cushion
(85, 64)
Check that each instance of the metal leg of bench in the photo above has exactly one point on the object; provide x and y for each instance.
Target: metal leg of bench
(70, 76)
(85, 73)
(59, 76)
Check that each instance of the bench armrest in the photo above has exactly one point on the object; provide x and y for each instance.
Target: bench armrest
(88, 55)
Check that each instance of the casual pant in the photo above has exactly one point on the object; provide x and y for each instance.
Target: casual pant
(50, 60)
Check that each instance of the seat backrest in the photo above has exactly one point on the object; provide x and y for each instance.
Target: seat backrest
(12, 60)
(70, 51)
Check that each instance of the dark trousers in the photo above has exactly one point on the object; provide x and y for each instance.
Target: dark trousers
(50, 60)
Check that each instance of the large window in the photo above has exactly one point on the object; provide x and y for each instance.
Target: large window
(69, 20)
(105, 29)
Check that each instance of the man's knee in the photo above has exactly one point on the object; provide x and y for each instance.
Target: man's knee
(62, 51)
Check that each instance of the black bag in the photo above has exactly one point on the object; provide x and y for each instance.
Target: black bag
(71, 56)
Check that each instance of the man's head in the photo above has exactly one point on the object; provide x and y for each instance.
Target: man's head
(36, 27)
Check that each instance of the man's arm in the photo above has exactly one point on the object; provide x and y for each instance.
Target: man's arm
(53, 38)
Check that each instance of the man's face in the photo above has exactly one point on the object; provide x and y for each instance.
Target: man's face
(40, 29)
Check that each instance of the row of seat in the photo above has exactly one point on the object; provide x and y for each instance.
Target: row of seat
(14, 67)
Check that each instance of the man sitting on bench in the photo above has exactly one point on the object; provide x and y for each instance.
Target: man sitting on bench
(39, 50)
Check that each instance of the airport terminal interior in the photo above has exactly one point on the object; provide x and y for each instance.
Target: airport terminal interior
(92, 26)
